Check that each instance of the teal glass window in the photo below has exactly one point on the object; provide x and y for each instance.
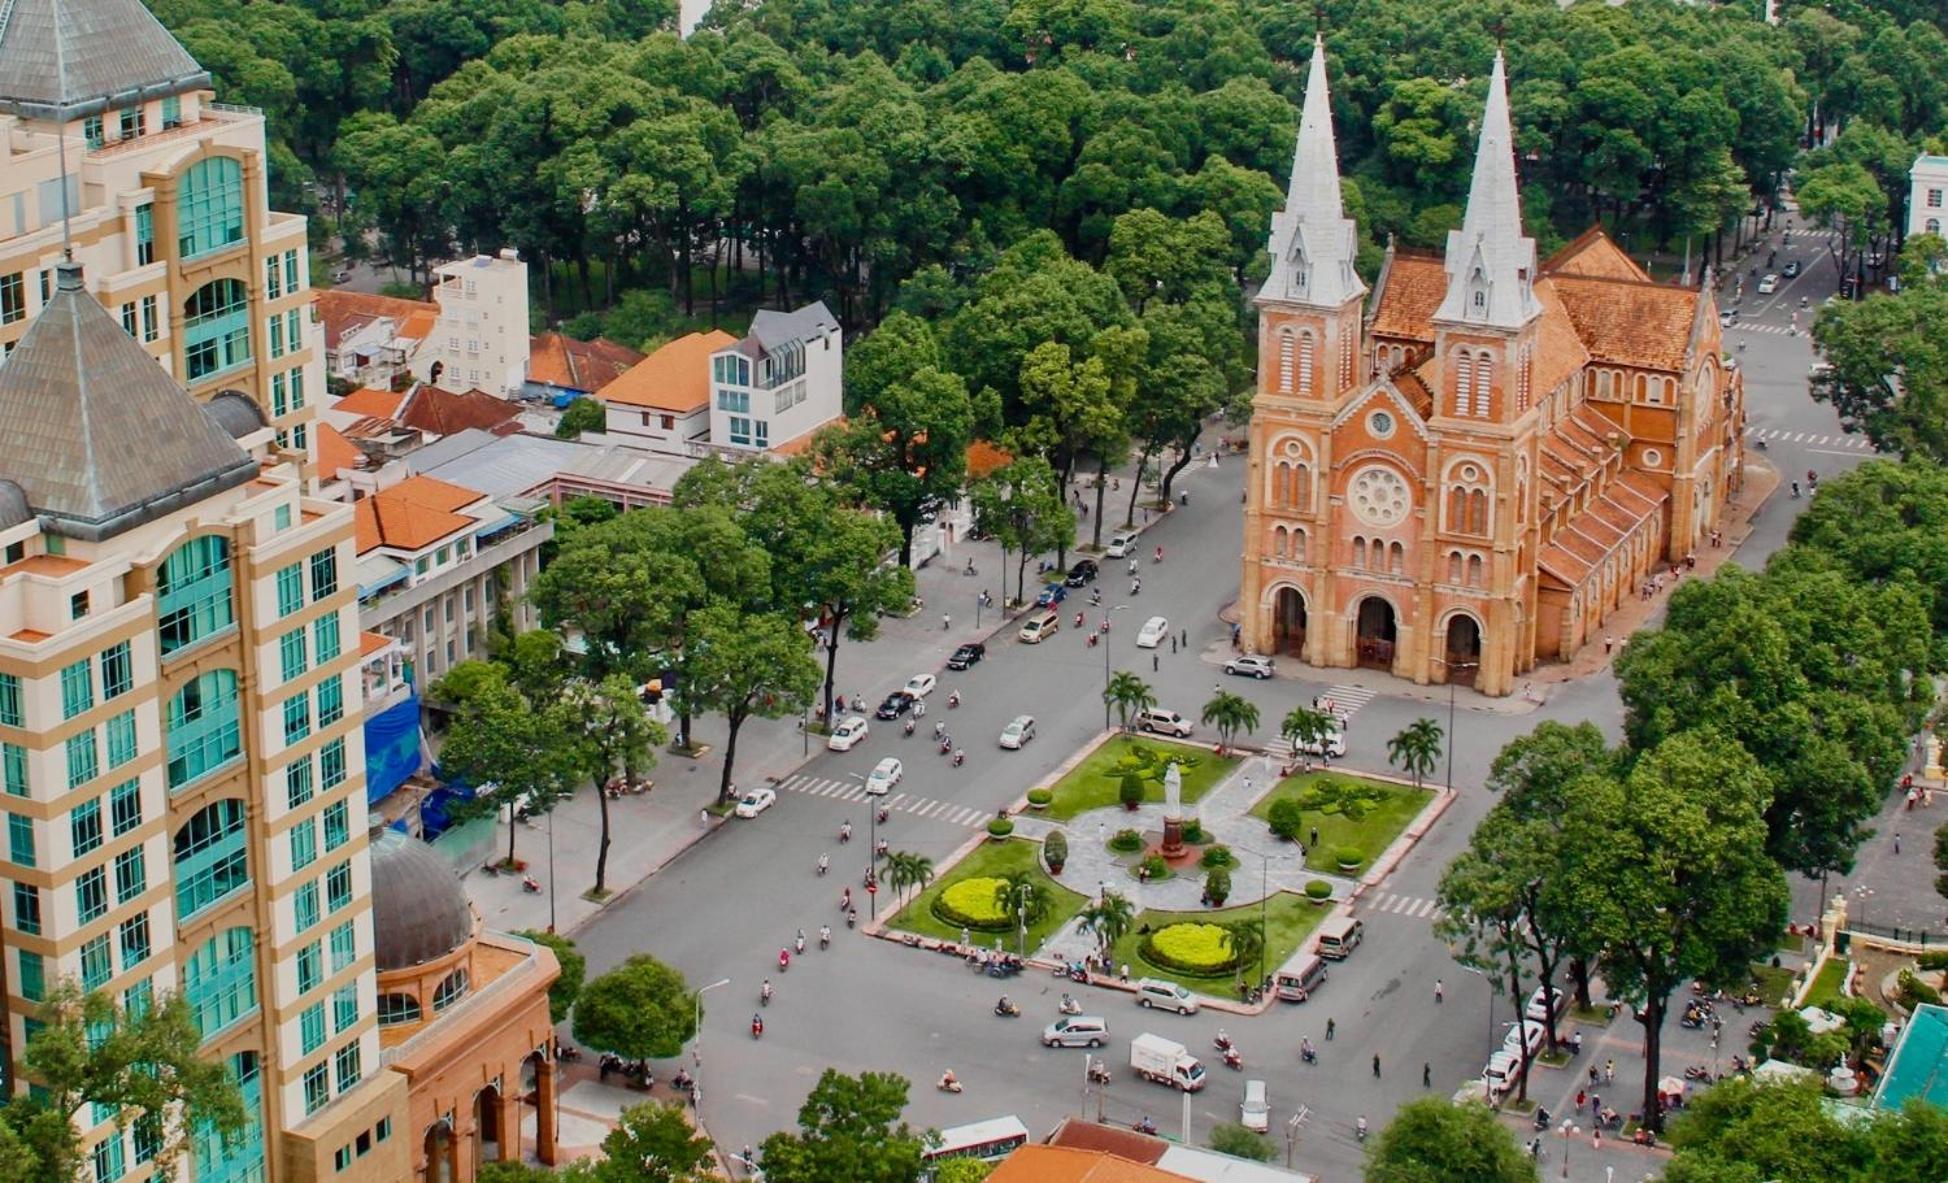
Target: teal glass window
(281, 517)
(10, 700)
(146, 1135)
(297, 782)
(117, 671)
(292, 658)
(134, 937)
(14, 758)
(20, 839)
(137, 999)
(216, 328)
(311, 967)
(344, 1008)
(331, 764)
(91, 894)
(280, 403)
(84, 758)
(290, 589)
(238, 1159)
(311, 1027)
(33, 977)
(91, 131)
(452, 988)
(291, 270)
(338, 886)
(77, 689)
(317, 1090)
(345, 1066)
(297, 717)
(210, 207)
(211, 860)
(324, 637)
(121, 739)
(273, 287)
(324, 574)
(96, 964)
(304, 844)
(304, 906)
(27, 908)
(84, 825)
(344, 947)
(204, 734)
(109, 1162)
(125, 807)
(336, 829)
(220, 980)
(193, 593)
(331, 701)
(172, 116)
(395, 1009)
(131, 874)
(297, 388)
(145, 235)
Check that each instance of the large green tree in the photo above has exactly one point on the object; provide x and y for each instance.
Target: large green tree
(1432, 1139)
(746, 664)
(1887, 361)
(517, 751)
(1021, 505)
(1744, 1131)
(849, 1131)
(641, 1009)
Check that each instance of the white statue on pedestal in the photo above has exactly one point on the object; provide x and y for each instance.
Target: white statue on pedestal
(1173, 791)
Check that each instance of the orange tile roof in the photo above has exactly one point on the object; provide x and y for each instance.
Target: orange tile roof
(1062, 1164)
(442, 412)
(1414, 385)
(335, 452)
(1630, 323)
(1411, 291)
(1593, 255)
(412, 514)
(1077, 1134)
(370, 643)
(675, 378)
(341, 311)
(562, 361)
(1559, 351)
(984, 458)
(799, 444)
(367, 400)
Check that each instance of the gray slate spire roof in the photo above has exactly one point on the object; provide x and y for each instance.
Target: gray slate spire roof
(1490, 264)
(1313, 242)
(63, 59)
(96, 434)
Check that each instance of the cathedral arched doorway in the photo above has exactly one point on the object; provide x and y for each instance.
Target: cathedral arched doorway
(487, 1132)
(1463, 655)
(1288, 622)
(1376, 634)
(440, 1145)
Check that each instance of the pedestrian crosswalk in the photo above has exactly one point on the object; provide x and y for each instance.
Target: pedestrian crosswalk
(1811, 439)
(852, 790)
(1418, 907)
(1750, 327)
(1347, 698)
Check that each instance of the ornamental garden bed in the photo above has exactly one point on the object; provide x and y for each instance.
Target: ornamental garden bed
(1384, 811)
(1289, 920)
(1093, 783)
(990, 860)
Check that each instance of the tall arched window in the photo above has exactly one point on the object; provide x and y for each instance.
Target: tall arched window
(220, 980)
(1306, 357)
(204, 734)
(211, 861)
(240, 1157)
(1286, 347)
(452, 988)
(216, 328)
(1359, 552)
(1302, 486)
(1933, 226)
(1477, 519)
(1282, 484)
(1278, 542)
(1298, 546)
(1474, 570)
(210, 207)
(1397, 559)
(1454, 566)
(1522, 379)
(193, 597)
(1484, 383)
(1464, 379)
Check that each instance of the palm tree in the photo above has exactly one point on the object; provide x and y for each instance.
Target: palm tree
(1230, 714)
(920, 870)
(1416, 748)
(897, 872)
(1019, 893)
(1110, 918)
(1305, 727)
(1129, 694)
(1245, 940)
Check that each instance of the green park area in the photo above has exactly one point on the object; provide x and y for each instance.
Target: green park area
(1094, 783)
(990, 861)
(1288, 918)
(1351, 813)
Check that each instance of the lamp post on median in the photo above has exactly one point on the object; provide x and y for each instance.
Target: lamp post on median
(1569, 1132)
(1451, 667)
(1264, 901)
(696, 1051)
(1105, 644)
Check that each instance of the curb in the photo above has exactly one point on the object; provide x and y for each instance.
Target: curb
(1409, 838)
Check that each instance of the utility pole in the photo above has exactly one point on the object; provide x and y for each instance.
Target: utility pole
(1292, 1134)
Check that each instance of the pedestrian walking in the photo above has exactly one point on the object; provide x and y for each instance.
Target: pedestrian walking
(946, 622)
(1596, 1106)
(1609, 1072)
(965, 937)
(1330, 1028)
(1126, 971)
(703, 818)
(1376, 1065)
(1897, 842)
(1186, 638)
(1315, 838)
(1592, 1082)
(1582, 1096)
(1609, 643)
(1153, 663)
(1440, 988)
(1426, 1075)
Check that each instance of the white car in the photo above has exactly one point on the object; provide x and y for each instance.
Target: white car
(847, 734)
(1154, 631)
(1250, 666)
(1333, 744)
(884, 776)
(755, 802)
(1501, 1072)
(1255, 1112)
(1537, 1010)
(1018, 732)
(1768, 285)
(1534, 1034)
(921, 685)
(1121, 544)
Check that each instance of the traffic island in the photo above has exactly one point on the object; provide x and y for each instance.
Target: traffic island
(1097, 779)
(1342, 820)
(1168, 944)
(949, 908)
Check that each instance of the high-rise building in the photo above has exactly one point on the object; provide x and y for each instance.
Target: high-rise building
(1467, 471)
(112, 147)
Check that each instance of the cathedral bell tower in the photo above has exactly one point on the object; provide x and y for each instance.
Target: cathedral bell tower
(1309, 328)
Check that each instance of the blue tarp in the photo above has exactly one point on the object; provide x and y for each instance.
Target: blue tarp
(391, 749)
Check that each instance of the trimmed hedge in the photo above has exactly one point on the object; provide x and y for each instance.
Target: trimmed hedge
(1217, 856)
(1198, 949)
(1055, 849)
(1194, 832)
(1318, 889)
(1125, 841)
(1040, 797)
(971, 904)
(1001, 827)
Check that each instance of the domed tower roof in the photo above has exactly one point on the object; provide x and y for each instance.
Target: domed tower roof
(419, 912)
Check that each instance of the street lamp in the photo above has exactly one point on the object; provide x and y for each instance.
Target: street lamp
(1105, 643)
(872, 853)
(1863, 893)
(1568, 1132)
(696, 1052)
(1451, 667)
(1264, 932)
(551, 870)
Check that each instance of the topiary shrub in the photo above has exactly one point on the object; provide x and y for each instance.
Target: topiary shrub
(1130, 791)
(1154, 868)
(1055, 851)
(1194, 832)
(1913, 991)
(1001, 827)
(1198, 949)
(1318, 891)
(1039, 798)
(1217, 856)
(1285, 818)
(1217, 886)
(1936, 960)
(971, 904)
(1126, 841)
(1348, 857)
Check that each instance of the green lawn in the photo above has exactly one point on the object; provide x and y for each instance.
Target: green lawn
(1372, 834)
(992, 859)
(1288, 919)
(1774, 984)
(1092, 785)
(1826, 987)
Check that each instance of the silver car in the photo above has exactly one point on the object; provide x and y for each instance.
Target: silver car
(1018, 732)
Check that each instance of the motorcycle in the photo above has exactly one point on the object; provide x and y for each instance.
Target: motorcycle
(960, 757)
(947, 1084)
(757, 1027)
(883, 814)
(1359, 1128)
(845, 832)
(953, 700)
(784, 960)
(1233, 1058)
(764, 994)
(824, 936)
(824, 865)
(1068, 1006)
(1697, 1072)
(852, 918)
(1541, 1118)
(1005, 1009)
(800, 944)
(1307, 1053)
(1098, 1073)
(1145, 1125)
(909, 727)
(946, 744)
(531, 885)
(1222, 1041)
(845, 900)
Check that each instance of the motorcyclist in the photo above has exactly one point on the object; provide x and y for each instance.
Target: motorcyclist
(845, 830)
(764, 991)
(1004, 1007)
(1305, 1050)
(800, 942)
(784, 959)
(824, 935)
(950, 1082)
(757, 1026)
(824, 864)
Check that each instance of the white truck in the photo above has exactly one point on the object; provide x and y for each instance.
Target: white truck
(1165, 1061)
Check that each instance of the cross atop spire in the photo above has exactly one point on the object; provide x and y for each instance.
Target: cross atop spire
(1490, 264)
(1313, 242)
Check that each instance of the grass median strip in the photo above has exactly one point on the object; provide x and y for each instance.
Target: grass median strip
(992, 860)
(1093, 783)
(1289, 919)
(1388, 810)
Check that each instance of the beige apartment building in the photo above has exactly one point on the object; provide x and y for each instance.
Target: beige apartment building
(111, 143)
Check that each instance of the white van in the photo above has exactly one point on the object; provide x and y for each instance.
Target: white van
(1121, 543)
(1156, 992)
(1076, 1031)
(1040, 627)
(1339, 936)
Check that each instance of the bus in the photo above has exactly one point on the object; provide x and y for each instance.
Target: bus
(990, 1141)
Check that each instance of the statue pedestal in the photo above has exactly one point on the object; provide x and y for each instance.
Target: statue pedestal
(1173, 838)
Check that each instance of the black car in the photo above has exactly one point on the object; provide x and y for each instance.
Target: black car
(1792, 269)
(965, 656)
(1084, 571)
(897, 703)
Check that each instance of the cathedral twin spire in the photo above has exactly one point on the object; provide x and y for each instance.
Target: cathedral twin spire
(1313, 242)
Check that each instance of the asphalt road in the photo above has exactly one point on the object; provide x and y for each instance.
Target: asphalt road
(725, 909)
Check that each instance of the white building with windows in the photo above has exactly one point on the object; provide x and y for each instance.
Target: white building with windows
(480, 341)
(1927, 203)
(783, 381)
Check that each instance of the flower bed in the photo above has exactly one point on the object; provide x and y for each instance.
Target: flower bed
(1198, 949)
(971, 904)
